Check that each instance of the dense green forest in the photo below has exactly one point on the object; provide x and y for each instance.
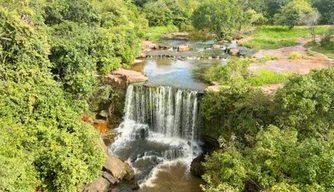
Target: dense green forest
(54, 51)
(51, 54)
(283, 143)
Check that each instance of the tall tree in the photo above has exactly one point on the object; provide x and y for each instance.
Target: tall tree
(226, 18)
(296, 12)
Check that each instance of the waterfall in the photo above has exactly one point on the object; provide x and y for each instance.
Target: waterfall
(161, 124)
(166, 110)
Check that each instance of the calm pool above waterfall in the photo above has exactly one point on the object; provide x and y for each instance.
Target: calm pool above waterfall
(173, 72)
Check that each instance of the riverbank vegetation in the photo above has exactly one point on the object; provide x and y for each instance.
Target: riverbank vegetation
(237, 71)
(51, 54)
(279, 144)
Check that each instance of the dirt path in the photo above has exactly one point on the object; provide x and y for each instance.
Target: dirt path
(282, 53)
(299, 66)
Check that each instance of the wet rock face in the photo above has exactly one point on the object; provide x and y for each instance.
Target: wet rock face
(196, 167)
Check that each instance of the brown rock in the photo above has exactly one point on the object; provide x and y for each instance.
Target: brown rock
(149, 45)
(130, 173)
(183, 48)
(115, 166)
(215, 46)
(114, 189)
(233, 51)
(99, 185)
(128, 76)
(109, 178)
(137, 61)
(103, 113)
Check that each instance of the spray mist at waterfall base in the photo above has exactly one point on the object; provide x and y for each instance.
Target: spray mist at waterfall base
(159, 137)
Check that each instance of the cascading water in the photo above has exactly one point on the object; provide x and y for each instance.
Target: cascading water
(160, 125)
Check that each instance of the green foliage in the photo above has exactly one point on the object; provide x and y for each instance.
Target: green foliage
(43, 142)
(154, 33)
(259, 44)
(238, 110)
(295, 55)
(71, 60)
(90, 37)
(225, 170)
(280, 32)
(277, 162)
(266, 77)
(236, 72)
(326, 49)
(296, 12)
(295, 157)
(274, 37)
(268, 58)
(306, 103)
(169, 12)
(325, 7)
(158, 13)
(226, 18)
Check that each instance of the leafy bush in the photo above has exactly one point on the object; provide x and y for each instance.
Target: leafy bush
(239, 110)
(295, 55)
(306, 103)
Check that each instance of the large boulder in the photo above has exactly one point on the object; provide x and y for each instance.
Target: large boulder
(115, 167)
(149, 46)
(99, 185)
(123, 76)
(184, 48)
(233, 51)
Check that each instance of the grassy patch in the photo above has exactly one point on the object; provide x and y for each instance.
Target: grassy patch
(266, 77)
(268, 58)
(154, 33)
(295, 55)
(280, 32)
(274, 37)
(258, 43)
(327, 49)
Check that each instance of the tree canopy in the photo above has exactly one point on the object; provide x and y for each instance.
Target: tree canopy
(296, 12)
(51, 53)
(225, 18)
(287, 145)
